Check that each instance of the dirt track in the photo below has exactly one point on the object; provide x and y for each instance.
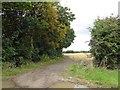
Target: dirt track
(46, 76)
(43, 78)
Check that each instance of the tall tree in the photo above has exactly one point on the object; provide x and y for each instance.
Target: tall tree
(31, 29)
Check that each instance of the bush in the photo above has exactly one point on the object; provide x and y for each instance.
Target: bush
(105, 45)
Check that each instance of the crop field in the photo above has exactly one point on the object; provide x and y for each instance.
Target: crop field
(79, 56)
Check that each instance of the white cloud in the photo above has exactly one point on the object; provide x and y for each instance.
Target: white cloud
(86, 11)
(81, 43)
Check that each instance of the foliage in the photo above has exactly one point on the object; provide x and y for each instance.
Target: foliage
(33, 29)
(100, 76)
(105, 45)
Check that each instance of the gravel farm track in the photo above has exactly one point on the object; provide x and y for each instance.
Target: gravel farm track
(50, 75)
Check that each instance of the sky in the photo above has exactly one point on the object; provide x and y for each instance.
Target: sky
(86, 11)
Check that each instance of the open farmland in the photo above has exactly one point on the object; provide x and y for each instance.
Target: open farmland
(79, 56)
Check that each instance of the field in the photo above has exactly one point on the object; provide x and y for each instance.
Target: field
(79, 56)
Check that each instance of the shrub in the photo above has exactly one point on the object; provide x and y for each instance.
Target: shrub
(105, 42)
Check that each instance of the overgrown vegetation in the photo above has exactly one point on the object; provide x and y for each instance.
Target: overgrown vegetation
(100, 76)
(8, 71)
(105, 42)
(33, 29)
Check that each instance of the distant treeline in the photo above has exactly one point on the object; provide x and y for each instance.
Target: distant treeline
(71, 51)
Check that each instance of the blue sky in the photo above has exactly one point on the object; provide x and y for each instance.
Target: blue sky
(86, 11)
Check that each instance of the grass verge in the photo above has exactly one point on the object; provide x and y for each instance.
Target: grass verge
(99, 76)
(25, 68)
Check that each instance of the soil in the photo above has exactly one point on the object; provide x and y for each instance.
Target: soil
(46, 77)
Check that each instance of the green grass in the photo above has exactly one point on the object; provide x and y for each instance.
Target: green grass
(100, 76)
(25, 68)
